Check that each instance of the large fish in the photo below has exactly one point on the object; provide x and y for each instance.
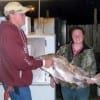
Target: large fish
(62, 70)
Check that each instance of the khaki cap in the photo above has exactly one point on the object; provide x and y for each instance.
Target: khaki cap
(12, 7)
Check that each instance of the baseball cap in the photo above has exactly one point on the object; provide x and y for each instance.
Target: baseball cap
(12, 7)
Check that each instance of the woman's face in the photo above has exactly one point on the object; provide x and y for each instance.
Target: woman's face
(77, 36)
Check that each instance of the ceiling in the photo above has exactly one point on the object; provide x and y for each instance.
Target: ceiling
(74, 11)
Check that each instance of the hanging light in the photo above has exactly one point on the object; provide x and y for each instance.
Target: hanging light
(31, 7)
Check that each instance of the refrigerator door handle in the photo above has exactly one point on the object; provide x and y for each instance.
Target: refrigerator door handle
(45, 42)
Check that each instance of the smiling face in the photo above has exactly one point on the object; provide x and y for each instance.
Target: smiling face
(77, 36)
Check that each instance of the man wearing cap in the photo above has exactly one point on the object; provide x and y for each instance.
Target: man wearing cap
(15, 63)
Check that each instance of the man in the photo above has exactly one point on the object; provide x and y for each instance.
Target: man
(15, 63)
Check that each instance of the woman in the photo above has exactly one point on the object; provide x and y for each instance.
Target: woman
(80, 54)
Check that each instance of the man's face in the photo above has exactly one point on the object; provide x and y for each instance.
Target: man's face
(19, 18)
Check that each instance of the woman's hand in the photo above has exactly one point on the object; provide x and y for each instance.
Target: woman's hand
(90, 81)
(52, 82)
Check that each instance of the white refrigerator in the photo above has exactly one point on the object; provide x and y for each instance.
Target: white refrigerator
(40, 44)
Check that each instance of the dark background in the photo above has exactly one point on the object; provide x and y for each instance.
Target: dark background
(73, 11)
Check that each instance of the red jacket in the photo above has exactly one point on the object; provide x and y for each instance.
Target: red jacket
(13, 58)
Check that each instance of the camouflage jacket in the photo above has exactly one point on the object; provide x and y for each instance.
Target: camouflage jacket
(85, 59)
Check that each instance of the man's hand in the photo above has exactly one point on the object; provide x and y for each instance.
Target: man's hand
(52, 83)
(48, 62)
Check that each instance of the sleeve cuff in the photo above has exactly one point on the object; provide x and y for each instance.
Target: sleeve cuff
(43, 62)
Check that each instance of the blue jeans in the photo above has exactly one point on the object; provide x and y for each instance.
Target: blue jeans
(75, 94)
(23, 93)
